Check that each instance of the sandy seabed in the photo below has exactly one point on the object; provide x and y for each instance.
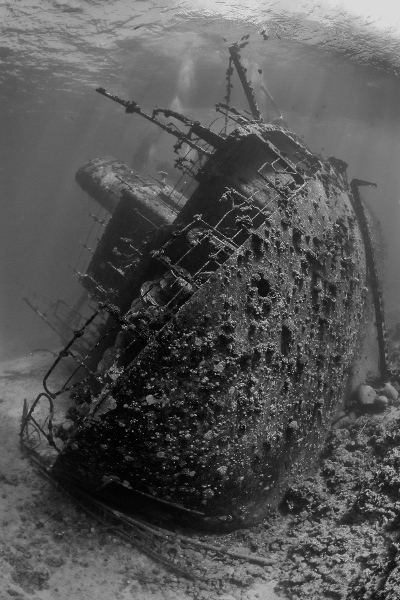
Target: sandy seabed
(50, 549)
(335, 536)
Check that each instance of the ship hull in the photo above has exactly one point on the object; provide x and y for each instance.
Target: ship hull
(232, 398)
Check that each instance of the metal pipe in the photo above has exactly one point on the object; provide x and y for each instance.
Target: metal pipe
(248, 90)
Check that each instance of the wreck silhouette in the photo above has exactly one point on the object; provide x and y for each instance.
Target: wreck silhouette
(231, 320)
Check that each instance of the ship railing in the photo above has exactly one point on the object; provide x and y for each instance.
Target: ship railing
(190, 166)
(99, 219)
(61, 318)
(81, 374)
(37, 425)
(223, 234)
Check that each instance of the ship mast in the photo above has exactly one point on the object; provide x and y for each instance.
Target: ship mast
(247, 87)
(195, 127)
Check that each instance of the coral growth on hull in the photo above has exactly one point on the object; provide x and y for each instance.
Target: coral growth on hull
(233, 396)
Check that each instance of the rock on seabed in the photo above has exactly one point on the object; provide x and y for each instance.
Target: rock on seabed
(390, 392)
(366, 394)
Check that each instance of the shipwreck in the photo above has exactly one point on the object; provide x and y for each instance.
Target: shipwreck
(230, 321)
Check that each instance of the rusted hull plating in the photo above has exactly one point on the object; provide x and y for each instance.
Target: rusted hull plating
(232, 396)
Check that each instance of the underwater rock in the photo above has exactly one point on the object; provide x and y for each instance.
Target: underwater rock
(381, 402)
(366, 395)
(390, 392)
(344, 420)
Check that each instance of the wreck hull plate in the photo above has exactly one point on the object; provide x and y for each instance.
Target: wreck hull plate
(233, 397)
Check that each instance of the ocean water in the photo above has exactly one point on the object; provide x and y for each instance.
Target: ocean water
(331, 67)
